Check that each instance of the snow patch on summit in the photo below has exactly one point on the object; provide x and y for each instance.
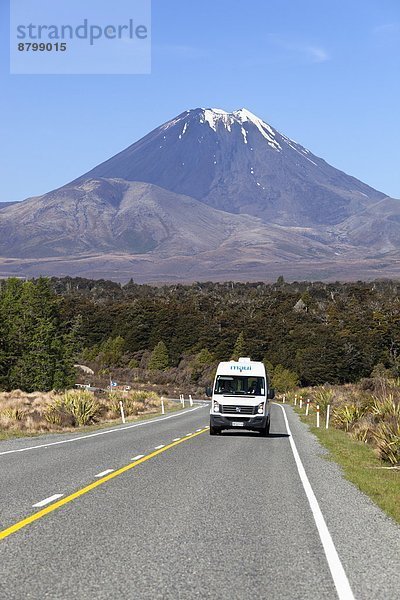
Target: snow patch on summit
(215, 117)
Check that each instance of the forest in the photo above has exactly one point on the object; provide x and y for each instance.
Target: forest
(308, 333)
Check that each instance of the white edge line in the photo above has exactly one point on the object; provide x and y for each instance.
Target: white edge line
(138, 457)
(47, 501)
(339, 576)
(103, 473)
(159, 447)
(91, 435)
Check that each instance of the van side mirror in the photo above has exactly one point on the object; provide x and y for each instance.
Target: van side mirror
(208, 391)
(271, 394)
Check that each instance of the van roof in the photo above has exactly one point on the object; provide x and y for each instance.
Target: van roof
(243, 366)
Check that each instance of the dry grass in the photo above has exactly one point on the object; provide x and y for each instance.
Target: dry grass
(369, 412)
(27, 414)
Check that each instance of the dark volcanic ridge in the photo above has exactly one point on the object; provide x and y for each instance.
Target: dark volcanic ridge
(208, 195)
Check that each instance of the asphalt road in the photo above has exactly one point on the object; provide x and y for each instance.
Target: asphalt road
(231, 516)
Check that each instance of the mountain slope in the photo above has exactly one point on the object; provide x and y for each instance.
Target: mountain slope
(238, 163)
(108, 216)
(208, 195)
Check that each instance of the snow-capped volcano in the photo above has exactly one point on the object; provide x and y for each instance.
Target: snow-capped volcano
(239, 163)
(208, 195)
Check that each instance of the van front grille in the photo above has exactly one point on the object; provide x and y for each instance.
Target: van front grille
(234, 409)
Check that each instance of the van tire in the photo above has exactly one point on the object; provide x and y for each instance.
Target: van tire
(265, 432)
(214, 430)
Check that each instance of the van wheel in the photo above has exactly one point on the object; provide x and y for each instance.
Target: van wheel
(214, 430)
(265, 432)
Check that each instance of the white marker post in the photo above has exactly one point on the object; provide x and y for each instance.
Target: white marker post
(183, 400)
(308, 407)
(317, 415)
(162, 406)
(301, 403)
(328, 413)
(284, 398)
(122, 411)
(190, 400)
(295, 399)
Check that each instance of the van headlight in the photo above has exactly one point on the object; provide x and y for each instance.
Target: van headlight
(261, 408)
(216, 407)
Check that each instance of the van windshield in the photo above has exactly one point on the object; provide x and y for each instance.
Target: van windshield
(237, 384)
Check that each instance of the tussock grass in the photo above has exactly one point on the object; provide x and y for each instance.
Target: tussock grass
(369, 412)
(29, 414)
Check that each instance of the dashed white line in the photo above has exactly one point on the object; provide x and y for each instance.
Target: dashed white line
(138, 457)
(115, 430)
(159, 447)
(176, 439)
(47, 501)
(104, 473)
(189, 434)
(197, 430)
(338, 573)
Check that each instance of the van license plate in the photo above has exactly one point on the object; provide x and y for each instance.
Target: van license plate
(237, 423)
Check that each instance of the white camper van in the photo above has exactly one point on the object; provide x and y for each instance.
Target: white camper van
(240, 398)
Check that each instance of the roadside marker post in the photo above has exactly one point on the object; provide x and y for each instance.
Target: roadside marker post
(317, 415)
(122, 411)
(308, 407)
(190, 400)
(295, 400)
(328, 413)
(162, 406)
(301, 402)
(284, 398)
(183, 400)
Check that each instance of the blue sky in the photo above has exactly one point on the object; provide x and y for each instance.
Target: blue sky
(323, 72)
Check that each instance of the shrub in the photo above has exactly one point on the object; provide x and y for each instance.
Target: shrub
(387, 438)
(13, 414)
(344, 417)
(385, 407)
(363, 431)
(81, 405)
(57, 414)
(283, 379)
(323, 397)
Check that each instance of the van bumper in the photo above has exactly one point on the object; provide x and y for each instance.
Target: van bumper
(256, 423)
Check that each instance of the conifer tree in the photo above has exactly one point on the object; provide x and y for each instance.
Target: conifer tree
(239, 348)
(36, 351)
(159, 359)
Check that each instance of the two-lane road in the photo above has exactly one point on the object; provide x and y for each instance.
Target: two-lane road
(162, 510)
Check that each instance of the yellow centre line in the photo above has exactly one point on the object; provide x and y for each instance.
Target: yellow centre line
(49, 509)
